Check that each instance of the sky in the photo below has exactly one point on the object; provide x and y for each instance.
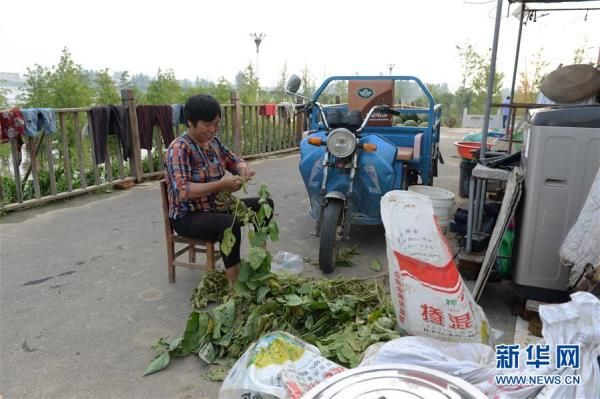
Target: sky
(209, 39)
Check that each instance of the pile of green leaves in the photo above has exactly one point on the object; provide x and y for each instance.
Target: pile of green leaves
(342, 317)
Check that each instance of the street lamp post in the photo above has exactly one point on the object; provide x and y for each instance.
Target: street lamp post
(258, 38)
(391, 67)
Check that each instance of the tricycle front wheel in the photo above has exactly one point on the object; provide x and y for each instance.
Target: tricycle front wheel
(331, 235)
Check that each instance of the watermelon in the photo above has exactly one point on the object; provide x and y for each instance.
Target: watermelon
(410, 117)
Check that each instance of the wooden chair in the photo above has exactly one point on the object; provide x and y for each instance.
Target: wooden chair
(192, 246)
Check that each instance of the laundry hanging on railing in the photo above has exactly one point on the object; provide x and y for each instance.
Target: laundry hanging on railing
(150, 116)
(268, 110)
(37, 119)
(12, 125)
(114, 120)
(178, 118)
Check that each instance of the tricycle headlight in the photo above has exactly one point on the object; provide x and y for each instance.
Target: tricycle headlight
(341, 142)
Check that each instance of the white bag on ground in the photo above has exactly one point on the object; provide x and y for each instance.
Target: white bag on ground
(429, 296)
(287, 262)
(279, 366)
(572, 323)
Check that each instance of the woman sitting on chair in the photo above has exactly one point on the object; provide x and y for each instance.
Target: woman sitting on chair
(195, 165)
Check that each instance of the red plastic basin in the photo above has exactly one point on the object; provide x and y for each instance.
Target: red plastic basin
(465, 148)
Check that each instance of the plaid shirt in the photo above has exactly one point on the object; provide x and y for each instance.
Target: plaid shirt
(186, 162)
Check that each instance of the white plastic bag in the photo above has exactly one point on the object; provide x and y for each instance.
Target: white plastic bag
(278, 365)
(471, 362)
(572, 323)
(287, 262)
(429, 296)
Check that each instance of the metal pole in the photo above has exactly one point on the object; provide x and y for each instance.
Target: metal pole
(391, 67)
(471, 213)
(258, 38)
(514, 77)
(513, 111)
(488, 100)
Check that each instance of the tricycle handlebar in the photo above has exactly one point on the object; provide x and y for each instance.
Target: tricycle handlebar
(384, 108)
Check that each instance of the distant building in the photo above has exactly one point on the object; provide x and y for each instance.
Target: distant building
(10, 83)
(10, 76)
(11, 93)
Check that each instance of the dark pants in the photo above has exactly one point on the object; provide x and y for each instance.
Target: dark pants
(150, 116)
(210, 226)
(504, 118)
(110, 119)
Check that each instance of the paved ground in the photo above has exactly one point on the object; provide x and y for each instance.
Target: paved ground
(84, 290)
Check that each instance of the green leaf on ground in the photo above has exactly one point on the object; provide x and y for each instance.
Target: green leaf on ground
(207, 353)
(376, 265)
(216, 373)
(159, 363)
(293, 300)
(345, 256)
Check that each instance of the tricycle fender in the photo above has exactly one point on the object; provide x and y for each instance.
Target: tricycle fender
(375, 177)
(311, 170)
(336, 195)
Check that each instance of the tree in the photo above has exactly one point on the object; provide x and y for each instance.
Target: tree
(3, 98)
(475, 71)
(141, 81)
(529, 84)
(69, 85)
(106, 89)
(282, 83)
(222, 90)
(335, 91)
(248, 85)
(36, 92)
(441, 95)
(125, 82)
(470, 63)
(480, 88)
(308, 82)
(164, 89)
(65, 85)
(579, 55)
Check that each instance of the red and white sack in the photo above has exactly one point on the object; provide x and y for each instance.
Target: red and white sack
(429, 296)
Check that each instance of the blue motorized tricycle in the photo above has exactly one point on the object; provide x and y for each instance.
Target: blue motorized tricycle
(362, 142)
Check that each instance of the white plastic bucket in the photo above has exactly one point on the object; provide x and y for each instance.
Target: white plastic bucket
(442, 201)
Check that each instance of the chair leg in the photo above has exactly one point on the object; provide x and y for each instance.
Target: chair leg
(210, 256)
(171, 260)
(192, 253)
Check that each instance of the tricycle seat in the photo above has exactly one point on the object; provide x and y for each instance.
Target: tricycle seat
(410, 153)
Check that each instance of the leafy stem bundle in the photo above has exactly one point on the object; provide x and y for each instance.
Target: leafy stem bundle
(342, 317)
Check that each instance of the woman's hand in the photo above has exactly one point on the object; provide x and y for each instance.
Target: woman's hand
(231, 183)
(244, 170)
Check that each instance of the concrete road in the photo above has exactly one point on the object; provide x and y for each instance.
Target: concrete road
(84, 290)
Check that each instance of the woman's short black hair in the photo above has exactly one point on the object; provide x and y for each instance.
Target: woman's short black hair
(201, 107)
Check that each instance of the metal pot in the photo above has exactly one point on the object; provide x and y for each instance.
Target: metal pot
(393, 381)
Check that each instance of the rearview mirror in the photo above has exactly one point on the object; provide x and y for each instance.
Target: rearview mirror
(293, 84)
